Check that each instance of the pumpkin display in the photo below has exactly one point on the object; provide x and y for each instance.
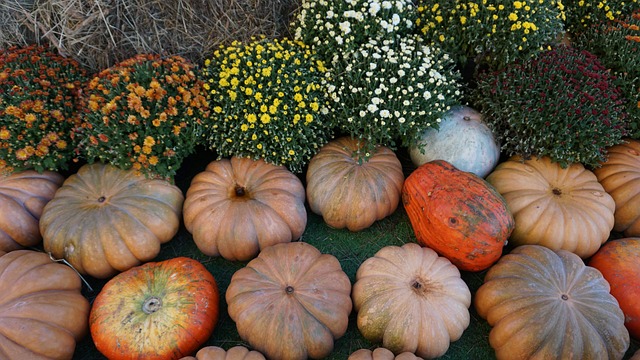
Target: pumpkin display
(349, 191)
(619, 262)
(619, 175)
(238, 206)
(290, 302)
(463, 139)
(411, 300)
(104, 220)
(560, 208)
(457, 214)
(545, 304)
(217, 353)
(43, 314)
(156, 311)
(381, 354)
(23, 195)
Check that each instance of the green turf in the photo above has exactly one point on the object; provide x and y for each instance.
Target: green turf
(350, 248)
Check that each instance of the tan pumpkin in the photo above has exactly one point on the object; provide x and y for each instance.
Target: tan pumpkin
(43, 314)
(381, 354)
(543, 304)
(23, 195)
(238, 206)
(291, 302)
(620, 177)
(349, 192)
(558, 208)
(217, 353)
(635, 356)
(411, 300)
(105, 220)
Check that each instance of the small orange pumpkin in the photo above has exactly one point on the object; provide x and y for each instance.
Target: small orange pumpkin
(217, 353)
(381, 354)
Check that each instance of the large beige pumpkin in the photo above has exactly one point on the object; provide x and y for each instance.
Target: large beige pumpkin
(411, 300)
(349, 192)
(558, 208)
(238, 206)
(543, 304)
(217, 353)
(23, 195)
(291, 302)
(620, 177)
(381, 354)
(104, 220)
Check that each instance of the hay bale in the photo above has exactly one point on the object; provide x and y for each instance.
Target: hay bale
(99, 33)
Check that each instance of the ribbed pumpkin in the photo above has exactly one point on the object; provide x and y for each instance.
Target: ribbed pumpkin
(619, 262)
(350, 192)
(291, 302)
(411, 300)
(620, 178)
(558, 208)
(548, 305)
(381, 354)
(43, 313)
(104, 220)
(217, 353)
(457, 214)
(238, 206)
(23, 195)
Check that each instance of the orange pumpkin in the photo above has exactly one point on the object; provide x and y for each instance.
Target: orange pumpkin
(238, 206)
(217, 353)
(381, 354)
(457, 214)
(156, 311)
(619, 262)
(43, 313)
(23, 195)
(620, 178)
(349, 192)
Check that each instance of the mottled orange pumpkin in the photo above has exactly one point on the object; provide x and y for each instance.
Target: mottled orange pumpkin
(217, 353)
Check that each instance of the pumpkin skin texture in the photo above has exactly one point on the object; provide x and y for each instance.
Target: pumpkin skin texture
(104, 220)
(457, 214)
(620, 178)
(43, 313)
(462, 139)
(400, 295)
(238, 206)
(558, 208)
(381, 354)
(349, 193)
(545, 304)
(218, 353)
(291, 302)
(23, 195)
(156, 311)
(619, 262)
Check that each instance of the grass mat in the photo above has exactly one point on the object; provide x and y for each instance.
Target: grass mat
(350, 248)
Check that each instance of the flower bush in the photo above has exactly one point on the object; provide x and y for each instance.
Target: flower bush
(390, 91)
(269, 101)
(491, 33)
(562, 104)
(38, 94)
(582, 14)
(335, 27)
(143, 113)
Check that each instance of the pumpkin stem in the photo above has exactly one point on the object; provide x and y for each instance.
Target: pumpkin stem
(240, 191)
(101, 199)
(556, 191)
(564, 297)
(152, 305)
(289, 289)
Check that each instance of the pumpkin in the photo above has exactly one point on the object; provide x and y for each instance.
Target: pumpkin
(290, 302)
(457, 214)
(463, 139)
(104, 220)
(159, 310)
(560, 208)
(411, 300)
(43, 314)
(238, 206)
(635, 356)
(23, 195)
(547, 304)
(381, 354)
(620, 178)
(217, 353)
(619, 262)
(349, 191)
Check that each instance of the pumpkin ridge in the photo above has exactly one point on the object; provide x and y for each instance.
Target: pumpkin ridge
(41, 325)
